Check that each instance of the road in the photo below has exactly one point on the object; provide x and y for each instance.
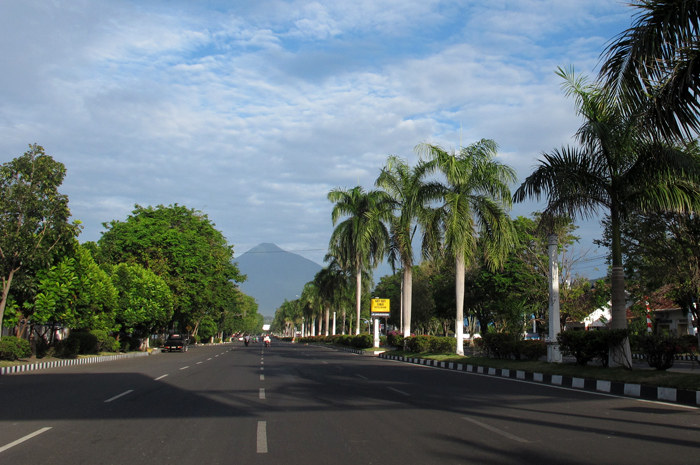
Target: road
(294, 404)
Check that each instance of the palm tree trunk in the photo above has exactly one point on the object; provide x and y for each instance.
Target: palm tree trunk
(618, 355)
(459, 296)
(358, 296)
(328, 315)
(407, 294)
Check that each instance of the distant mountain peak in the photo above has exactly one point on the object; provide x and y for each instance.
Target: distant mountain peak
(265, 247)
(274, 275)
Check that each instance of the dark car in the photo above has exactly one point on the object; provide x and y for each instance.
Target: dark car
(176, 342)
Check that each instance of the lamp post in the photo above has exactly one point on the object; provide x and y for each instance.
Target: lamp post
(553, 352)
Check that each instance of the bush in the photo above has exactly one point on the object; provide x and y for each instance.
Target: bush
(589, 345)
(68, 348)
(87, 342)
(362, 341)
(443, 345)
(395, 339)
(103, 343)
(659, 351)
(418, 344)
(533, 350)
(501, 345)
(217, 340)
(13, 348)
(689, 344)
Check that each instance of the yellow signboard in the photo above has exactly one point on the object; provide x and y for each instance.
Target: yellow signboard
(380, 307)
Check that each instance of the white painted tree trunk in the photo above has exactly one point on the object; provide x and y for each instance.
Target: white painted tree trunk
(358, 298)
(459, 296)
(407, 293)
(553, 352)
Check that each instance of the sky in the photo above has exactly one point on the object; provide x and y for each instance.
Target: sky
(253, 110)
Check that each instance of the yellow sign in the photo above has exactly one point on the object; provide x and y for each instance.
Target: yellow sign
(380, 307)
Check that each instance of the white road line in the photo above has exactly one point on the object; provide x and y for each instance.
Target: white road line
(325, 363)
(262, 368)
(209, 359)
(360, 376)
(262, 393)
(184, 368)
(199, 363)
(495, 430)
(160, 377)
(27, 437)
(262, 363)
(399, 391)
(120, 395)
(262, 437)
(215, 356)
(262, 377)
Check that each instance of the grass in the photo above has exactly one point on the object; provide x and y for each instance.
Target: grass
(689, 381)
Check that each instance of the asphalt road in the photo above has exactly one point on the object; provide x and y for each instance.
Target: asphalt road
(292, 404)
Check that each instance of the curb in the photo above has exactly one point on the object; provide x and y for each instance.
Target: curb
(636, 391)
(62, 363)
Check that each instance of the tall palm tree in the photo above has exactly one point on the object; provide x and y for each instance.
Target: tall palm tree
(475, 200)
(360, 241)
(618, 169)
(330, 282)
(410, 197)
(658, 57)
(311, 304)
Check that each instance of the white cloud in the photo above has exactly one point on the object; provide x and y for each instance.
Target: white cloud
(253, 111)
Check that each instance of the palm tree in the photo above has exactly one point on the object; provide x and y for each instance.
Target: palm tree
(311, 304)
(359, 242)
(658, 57)
(475, 200)
(617, 168)
(409, 199)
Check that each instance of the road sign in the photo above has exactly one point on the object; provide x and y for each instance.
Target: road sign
(380, 308)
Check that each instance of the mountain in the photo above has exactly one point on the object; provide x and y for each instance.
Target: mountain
(274, 275)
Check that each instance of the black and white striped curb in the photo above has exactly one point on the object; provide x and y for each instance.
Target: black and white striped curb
(638, 391)
(682, 357)
(62, 363)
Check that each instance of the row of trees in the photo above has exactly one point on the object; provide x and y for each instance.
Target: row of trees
(163, 268)
(633, 157)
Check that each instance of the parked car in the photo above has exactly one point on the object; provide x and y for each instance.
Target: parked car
(176, 342)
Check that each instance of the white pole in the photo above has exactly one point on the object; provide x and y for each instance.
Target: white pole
(333, 332)
(553, 352)
(376, 332)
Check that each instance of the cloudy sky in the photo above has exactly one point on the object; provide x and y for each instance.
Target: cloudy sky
(251, 111)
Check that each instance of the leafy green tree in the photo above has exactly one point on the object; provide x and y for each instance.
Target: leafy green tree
(410, 197)
(617, 168)
(183, 247)
(144, 300)
(76, 293)
(34, 227)
(475, 200)
(359, 242)
(654, 68)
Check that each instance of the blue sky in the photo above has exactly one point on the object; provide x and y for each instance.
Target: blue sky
(252, 111)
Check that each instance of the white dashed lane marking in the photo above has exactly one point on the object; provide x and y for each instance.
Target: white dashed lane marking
(25, 438)
(119, 395)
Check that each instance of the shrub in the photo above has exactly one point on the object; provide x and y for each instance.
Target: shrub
(112, 345)
(102, 340)
(660, 350)
(589, 345)
(362, 341)
(533, 350)
(689, 344)
(443, 345)
(13, 348)
(68, 348)
(395, 339)
(217, 340)
(418, 344)
(87, 342)
(501, 345)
